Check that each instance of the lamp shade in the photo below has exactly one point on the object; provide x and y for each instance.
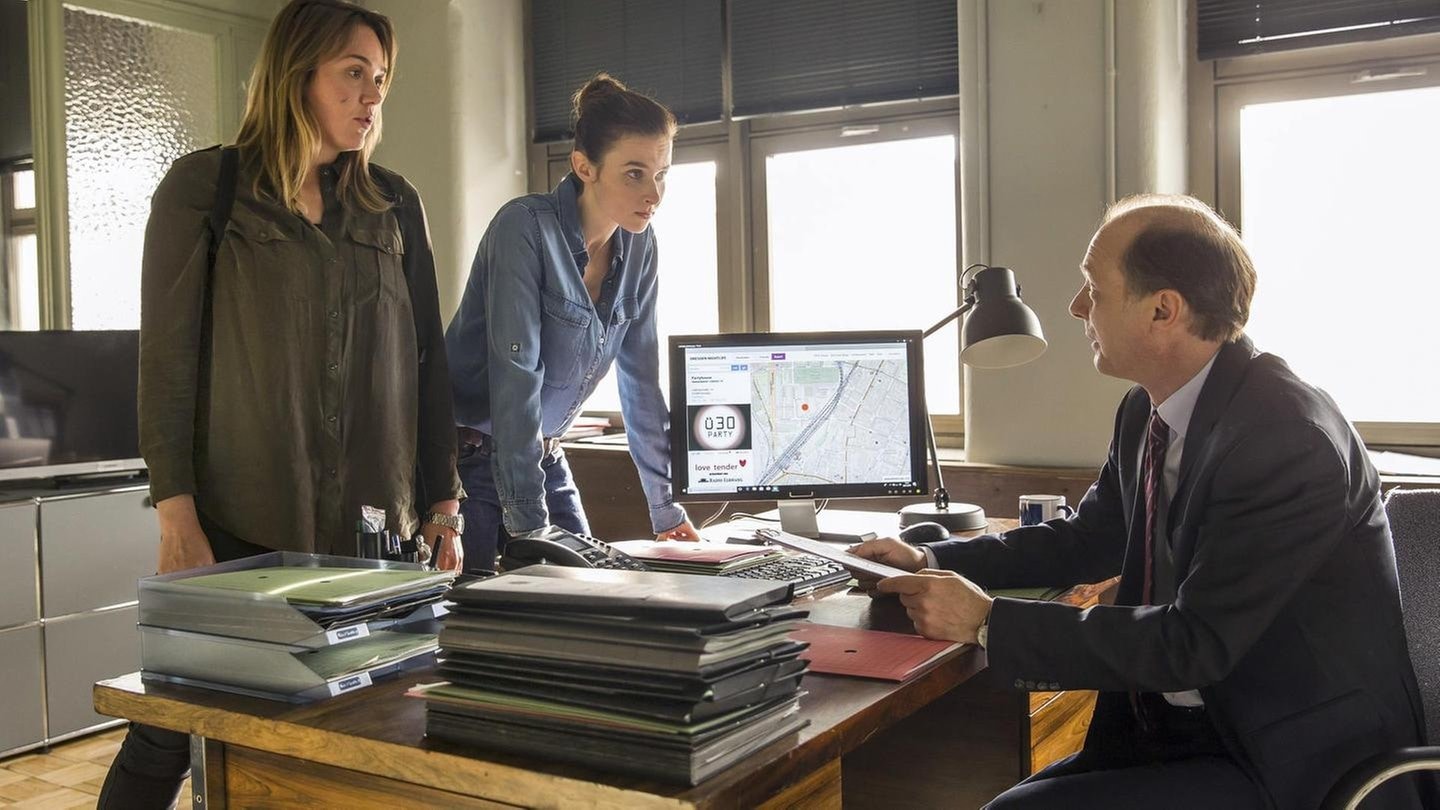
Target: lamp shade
(1000, 331)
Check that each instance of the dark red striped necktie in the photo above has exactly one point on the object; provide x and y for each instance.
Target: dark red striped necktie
(1152, 477)
(1157, 441)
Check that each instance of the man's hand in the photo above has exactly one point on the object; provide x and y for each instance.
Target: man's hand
(942, 604)
(183, 544)
(685, 531)
(886, 550)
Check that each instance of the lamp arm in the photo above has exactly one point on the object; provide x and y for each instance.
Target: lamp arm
(964, 308)
(942, 495)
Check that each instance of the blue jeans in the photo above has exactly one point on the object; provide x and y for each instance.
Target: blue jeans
(485, 536)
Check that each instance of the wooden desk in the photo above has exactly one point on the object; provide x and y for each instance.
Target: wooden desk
(368, 748)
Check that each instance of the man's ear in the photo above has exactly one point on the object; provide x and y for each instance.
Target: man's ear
(1169, 306)
(585, 170)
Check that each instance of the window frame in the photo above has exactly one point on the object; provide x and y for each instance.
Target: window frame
(1402, 63)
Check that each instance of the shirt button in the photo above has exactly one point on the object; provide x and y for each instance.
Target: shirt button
(602, 341)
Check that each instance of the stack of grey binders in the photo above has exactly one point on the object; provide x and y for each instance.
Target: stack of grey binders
(290, 626)
(670, 676)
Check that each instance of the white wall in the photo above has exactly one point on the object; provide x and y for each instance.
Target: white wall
(455, 120)
(1059, 142)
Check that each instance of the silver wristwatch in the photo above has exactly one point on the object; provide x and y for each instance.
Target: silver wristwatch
(456, 522)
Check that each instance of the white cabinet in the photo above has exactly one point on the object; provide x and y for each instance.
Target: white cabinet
(69, 562)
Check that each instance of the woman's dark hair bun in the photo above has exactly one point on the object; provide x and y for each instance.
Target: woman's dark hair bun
(595, 92)
(606, 110)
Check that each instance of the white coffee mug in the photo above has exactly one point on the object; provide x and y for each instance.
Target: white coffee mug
(1035, 509)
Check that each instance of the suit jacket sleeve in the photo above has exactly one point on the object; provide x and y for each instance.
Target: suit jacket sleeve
(1088, 547)
(1275, 509)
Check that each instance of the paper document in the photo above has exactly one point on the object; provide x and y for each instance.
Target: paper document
(852, 563)
(868, 653)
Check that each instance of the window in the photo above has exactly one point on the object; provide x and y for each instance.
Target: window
(863, 236)
(689, 257)
(19, 261)
(1330, 175)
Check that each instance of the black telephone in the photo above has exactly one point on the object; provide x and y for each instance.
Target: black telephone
(559, 547)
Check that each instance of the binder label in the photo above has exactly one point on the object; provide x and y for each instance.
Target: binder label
(351, 683)
(350, 633)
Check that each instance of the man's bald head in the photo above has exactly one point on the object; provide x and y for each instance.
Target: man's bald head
(1179, 243)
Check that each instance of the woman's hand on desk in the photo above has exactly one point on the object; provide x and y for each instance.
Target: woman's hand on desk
(183, 544)
(685, 531)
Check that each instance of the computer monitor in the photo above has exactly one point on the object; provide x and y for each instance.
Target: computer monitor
(797, 416)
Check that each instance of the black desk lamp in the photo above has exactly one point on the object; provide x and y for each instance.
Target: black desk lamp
(999, 331)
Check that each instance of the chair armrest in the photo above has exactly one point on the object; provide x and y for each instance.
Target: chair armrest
(1369, 774)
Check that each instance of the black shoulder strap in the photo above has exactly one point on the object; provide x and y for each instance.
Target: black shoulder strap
(224, 200)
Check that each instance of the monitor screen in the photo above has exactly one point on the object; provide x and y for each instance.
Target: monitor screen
(67, 403)
(797, 415)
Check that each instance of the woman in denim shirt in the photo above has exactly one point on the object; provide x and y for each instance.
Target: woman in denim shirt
(563, 285)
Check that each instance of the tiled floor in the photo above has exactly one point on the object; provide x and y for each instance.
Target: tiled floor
(69, 775)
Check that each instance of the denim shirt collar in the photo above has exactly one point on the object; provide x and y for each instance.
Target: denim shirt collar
(567, 194)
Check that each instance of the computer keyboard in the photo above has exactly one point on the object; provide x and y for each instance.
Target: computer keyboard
(805, 572)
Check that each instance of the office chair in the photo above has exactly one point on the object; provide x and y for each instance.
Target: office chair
(1415, 524)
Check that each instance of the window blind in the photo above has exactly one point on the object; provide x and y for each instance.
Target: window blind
(668, 49)
(792, 55)
(1237, 27)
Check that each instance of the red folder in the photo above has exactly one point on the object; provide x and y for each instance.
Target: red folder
(868, 653)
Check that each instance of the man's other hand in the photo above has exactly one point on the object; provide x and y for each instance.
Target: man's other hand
(942, 604)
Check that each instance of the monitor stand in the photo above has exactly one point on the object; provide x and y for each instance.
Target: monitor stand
(832, 525)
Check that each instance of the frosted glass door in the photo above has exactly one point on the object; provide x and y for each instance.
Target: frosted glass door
(137, 96)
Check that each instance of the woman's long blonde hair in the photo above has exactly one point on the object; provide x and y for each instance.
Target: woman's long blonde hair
(279, 129)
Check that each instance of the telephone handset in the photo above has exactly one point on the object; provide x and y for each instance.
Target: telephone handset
(559, 547)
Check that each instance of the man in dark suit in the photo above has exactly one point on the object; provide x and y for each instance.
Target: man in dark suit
(1255, 650)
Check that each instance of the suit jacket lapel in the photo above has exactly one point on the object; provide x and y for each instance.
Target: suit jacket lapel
(1132, 432)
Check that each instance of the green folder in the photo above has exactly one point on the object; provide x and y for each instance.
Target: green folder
(322, 586)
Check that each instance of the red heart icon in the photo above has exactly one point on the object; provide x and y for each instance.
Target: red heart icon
(742, 462)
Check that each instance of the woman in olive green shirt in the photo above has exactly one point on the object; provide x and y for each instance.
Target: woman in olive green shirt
(316, 382)
(323, 386)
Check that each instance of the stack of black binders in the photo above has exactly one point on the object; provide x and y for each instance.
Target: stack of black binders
(669, 676)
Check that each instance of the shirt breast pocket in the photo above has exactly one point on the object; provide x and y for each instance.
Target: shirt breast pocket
(564, 335)
(380, 262)
(268, 260)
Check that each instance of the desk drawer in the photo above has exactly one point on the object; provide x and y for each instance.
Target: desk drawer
(1057, 728)
(19, 597)
(22, 709)
(94, 549)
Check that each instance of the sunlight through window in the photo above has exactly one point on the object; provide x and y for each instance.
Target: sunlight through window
(1339, 208)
